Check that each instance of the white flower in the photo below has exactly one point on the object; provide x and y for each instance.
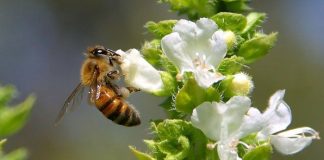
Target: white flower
(198, 48)
(226, 123)
(276, 118)
(138, 72)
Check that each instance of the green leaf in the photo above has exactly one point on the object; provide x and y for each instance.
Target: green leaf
(236, 5)
(262, 152)
(230, 21)
(191, 95)
(2, 142)
(179, 139)
(152, 52)
(257, 47)
(161, 28)
(254, 20)
(169, 84)
(211, 154)
(13, 119)
(154, 149)
(231, 65)
(175, 149)
(171, 110)
(6, 94)
(194, 9)
(18, 154)
(140, 155)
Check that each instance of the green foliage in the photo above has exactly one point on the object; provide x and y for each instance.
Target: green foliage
(192, 8)
(6, 94)
(191, 95)
(12, 119)
(161, 28)
(262, 152)
(176, 140)
(254, 20)
(231, 65)
(230, 21)
(18, 154)
(140, 155)
(170, 84)
(152, 52)
(171, 110)
(196, 9)
(257, 47)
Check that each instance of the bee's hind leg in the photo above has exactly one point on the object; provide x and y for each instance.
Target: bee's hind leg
(125, 91)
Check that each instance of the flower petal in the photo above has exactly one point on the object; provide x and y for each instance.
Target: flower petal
(207, 118)
(138, 72)
(220, 120)
(277, 116)
(187, 30)
(252, 122)
(206, 78)
(235, 110)
(173, 47)
(227, 152)
(218, 48)
(206, 27)
(293, 141)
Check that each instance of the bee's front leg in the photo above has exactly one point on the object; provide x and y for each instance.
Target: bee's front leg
(132, 89)
(113, 75)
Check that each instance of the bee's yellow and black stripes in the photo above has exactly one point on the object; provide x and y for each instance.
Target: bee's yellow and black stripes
(116, 109)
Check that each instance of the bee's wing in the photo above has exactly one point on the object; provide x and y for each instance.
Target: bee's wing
(71, 102)
(94, 88)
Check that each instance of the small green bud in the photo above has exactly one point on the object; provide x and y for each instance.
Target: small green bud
(237, 85)
(230, 39)
(242, 84)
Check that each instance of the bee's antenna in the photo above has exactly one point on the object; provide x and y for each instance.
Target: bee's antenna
(114, 53)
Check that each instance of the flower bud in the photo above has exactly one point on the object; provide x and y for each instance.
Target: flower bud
(239, 84)
(230, 39)
(242, 84)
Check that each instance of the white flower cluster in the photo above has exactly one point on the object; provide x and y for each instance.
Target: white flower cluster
(228, 122)
(199, 48)
(192, 47)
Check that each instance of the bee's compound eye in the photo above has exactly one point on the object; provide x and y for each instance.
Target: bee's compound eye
(99, 51)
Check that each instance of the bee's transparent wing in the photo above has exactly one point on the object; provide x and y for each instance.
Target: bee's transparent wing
(71, 102)
(94, 89)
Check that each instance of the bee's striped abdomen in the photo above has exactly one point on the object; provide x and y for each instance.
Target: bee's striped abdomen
(116, 109)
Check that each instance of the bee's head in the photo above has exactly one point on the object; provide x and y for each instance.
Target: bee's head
(97, 51)
(101, 51)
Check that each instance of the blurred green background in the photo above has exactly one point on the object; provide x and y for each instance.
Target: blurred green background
(41, 42)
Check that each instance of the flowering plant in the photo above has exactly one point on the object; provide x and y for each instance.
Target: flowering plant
(197, 65)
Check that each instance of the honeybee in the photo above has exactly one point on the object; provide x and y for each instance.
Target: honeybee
(98, 71)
